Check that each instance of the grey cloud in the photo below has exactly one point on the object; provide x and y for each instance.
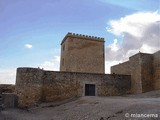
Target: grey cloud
(150, 37)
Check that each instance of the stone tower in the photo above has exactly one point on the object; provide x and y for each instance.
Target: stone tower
(82, 53)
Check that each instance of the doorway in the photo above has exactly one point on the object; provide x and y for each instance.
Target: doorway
(89, 89)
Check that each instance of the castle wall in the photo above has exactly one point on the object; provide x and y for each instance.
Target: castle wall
(58, 86)
(34, 85)
(144, 70)
(156, 67)
(29, 83)
(7, 88)
(112, 85)
(146, 64)
(141, 72)
(122, 68)
(8, 99)
(82, 54)
(135, 66)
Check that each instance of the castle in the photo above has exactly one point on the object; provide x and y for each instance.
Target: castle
(82, 74)
(144, 70)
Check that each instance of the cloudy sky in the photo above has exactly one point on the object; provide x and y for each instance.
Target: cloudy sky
(31, 30)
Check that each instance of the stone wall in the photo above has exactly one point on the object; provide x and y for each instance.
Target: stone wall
(80, 53)
(59, 86)
(156, 67)
(7, 88)
(29, 83)
(112, 85)
(9, 100)
(122, 68)
(34, 85)
(144, 70)
(146, 64)
(141, 72)
(136, 82)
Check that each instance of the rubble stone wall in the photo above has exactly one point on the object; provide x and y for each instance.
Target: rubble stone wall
(34, 86)
(29, 83)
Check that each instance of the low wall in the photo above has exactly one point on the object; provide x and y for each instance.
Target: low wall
(35, 85)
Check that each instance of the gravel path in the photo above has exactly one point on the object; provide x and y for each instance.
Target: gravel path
(94, 108)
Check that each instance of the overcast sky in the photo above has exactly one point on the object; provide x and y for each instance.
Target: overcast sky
(31, 30)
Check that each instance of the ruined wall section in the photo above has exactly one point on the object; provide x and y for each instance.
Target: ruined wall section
(122, 68)
(29, 86)
(82, 53)
(156, 67)
(146, 64)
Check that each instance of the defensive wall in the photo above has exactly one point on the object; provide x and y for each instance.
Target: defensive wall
(144, 70)
(34, 86)
(121, 68)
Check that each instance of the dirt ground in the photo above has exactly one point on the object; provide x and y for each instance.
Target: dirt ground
(144, 106)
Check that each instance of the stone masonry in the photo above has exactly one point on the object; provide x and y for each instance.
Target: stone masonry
(82, 53)
(34, 85)
(82, 74)
(144, 70)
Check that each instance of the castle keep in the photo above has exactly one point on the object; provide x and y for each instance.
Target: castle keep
(82, 74)
(81, 53)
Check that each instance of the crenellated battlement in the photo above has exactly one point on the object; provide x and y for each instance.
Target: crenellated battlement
(85, 36)
(82, 36)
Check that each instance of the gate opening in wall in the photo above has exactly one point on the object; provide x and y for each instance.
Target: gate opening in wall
(89, 89)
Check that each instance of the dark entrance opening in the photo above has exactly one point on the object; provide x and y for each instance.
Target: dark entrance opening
(89, 89)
